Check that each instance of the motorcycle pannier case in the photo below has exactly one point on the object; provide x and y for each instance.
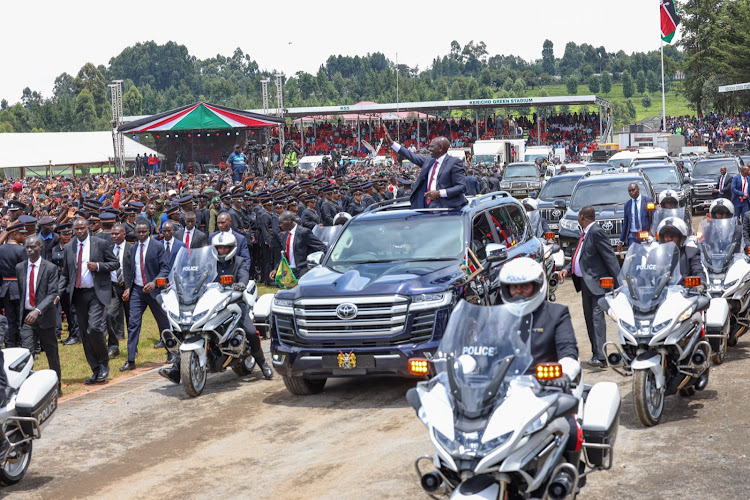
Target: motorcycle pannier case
(601, 417)
(37, 398)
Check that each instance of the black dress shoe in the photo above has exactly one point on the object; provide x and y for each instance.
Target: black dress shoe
(172, 374)
(103, 375)
(71, 341)
(596, 363)
(129, 365)
(267, 371)
(159, 345)
(90, 380)
(113, 351)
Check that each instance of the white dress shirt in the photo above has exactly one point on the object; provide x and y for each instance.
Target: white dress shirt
(577, 269)
(137, 249)
(291, 247)
(87, 279)
(36, 280)
(436, 166)
(119, 254)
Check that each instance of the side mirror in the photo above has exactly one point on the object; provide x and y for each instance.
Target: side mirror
(496, 252)
(314, 259)
(559, 204)
(533, 195)
(688, 178)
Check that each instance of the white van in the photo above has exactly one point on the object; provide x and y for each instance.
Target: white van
(623, 159)
(497, 151)
(534, 152)
(309, 163)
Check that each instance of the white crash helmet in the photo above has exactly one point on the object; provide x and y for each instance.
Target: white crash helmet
(517, 272)
(720, 205)
(530, 203)
(341, 218)
(225, 240)
(673, 224)
(668, 195)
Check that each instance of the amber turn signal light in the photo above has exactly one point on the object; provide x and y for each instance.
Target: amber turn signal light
(692, 281)
(161, 281)
(549, 236)
(548, 371)
(607, 283)
(226, 280)
(419, 366)
(643, 235)
(650, 205)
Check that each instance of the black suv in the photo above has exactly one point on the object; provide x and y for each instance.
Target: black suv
(608, 194)
(668, 176)
(559, 187)
(521, 178)
(706, 174)
(384, 290)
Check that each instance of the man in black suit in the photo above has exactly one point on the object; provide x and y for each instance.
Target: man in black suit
(723, 187)
(11, 253)
(89, 262)
(148, 261)
(592, 259)
(171, 244)
(118, 308)
(299, 242)
(441, 183)
(37, 286)
(191, 236)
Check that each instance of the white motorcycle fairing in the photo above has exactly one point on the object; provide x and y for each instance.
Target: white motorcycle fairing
(16, 369)
(650, 361)
(196, 344)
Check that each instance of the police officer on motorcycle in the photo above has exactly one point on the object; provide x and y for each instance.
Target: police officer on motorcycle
(230, 264)
(675, 230)
(523, 288)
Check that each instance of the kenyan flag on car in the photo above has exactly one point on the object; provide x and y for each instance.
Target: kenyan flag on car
(669, 20)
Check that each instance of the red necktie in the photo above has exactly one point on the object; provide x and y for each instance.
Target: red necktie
(187, 239)
(32, 294)
(744, 191)
(143, 267)
(288, 241)
(575, 255)
(432, 177)
(80, 259)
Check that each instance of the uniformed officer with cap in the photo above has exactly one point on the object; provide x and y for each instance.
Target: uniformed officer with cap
(309, 217)
(15, 209)
(173, 216)
(130, 213)
(202, 214)
(48, 236)
(328, 209)
(108, 221)
(265, 222)
(65, 233)
(12, 253)
(356, 206)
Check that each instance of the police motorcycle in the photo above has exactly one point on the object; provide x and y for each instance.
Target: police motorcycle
(554, 257)
(728, 270)
(31, 401)
(669, 206)
(204, 319)
(498, 432)
(659, 327)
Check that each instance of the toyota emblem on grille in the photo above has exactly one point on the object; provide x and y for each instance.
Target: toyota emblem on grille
(346, 311)
(607, 226)
(556, 214)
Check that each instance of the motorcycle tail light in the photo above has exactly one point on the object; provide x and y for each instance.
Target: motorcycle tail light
(692, 281)
(161, 281)
(419, 366)
(226, 280)
(607, 283)
(548, 371)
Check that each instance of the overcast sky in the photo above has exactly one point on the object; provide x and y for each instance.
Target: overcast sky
(39, 40)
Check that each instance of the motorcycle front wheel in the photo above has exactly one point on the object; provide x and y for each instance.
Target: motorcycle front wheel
(649, 400)
(192, 376)
(17, 463)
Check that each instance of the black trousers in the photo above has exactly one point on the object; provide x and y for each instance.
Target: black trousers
(117, 310)
(30, 334)
(67, 306)
(596, 323)
(92, 326)
(12, 338)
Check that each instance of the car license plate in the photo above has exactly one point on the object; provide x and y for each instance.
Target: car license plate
(614, 241)
(347, 361)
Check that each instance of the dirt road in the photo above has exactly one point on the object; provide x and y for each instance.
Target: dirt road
(250, 438)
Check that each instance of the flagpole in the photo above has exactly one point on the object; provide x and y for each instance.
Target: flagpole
(663, 99)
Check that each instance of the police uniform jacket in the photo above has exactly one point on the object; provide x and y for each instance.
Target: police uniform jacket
(551, 334)
(10, 256)
(309, 218)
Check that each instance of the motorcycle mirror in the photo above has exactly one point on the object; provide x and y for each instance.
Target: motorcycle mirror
(226, 280)
(692, 281)
(161, 282)
(548, 371)
(607, 283)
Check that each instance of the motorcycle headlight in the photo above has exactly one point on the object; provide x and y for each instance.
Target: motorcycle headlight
(661, 326)
(495, 443)
(627, 327)
(537, 424)
(730, 284)
(199, 316)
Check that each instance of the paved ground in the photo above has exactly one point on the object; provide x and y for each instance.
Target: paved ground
(249, 438)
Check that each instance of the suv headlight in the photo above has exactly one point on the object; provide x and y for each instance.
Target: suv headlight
(283, 306)
(505, 185)
(535, 184)
(430, 301)
(570, 225)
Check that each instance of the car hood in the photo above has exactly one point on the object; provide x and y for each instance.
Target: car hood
(406, 278)
(602, 212)
(662, 186)
(709, 178)
(551, 202)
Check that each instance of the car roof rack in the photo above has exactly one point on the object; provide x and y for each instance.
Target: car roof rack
(386, 204)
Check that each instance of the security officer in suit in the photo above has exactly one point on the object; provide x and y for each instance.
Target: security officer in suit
(723, 187)
(171, 244)
(11, 254)
(202, 215)
(297, 243)
(637, 216)
(65, 232)
(265, 222)
(118, 309)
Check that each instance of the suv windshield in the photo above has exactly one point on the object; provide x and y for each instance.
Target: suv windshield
(559, 187)
(399, 240)
(664, 175)
(514, 171)
(483, 159)
(604, 193)
(711, 168)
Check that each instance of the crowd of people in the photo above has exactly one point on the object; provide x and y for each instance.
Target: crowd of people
(713, 130)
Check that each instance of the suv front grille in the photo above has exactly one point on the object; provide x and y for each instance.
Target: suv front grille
(704, 190)
(612, 227)
(519, 185)
(552, 214)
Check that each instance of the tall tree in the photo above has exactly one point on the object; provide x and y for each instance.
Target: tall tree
(548, 57)
(627, 85)
(606, 83)
(85, 110)
(640, 82)
(594, 84)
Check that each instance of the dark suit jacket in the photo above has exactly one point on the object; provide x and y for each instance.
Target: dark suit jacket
(552, 335)
(643, 213)
(45, 292)
(126, 260)
(451, 178)
(727, 191)
(156, 264)
(304, 243)
(174, 247)
(200, 239)
(736, 186)
(242, 248)
(597, 260)
(101, 253)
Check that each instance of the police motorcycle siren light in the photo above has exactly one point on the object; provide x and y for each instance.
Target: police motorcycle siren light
(650, 205)
(419, 366)
(226, 280)
(549, 236)
(607, 283)
(161, 282)
(644, 235)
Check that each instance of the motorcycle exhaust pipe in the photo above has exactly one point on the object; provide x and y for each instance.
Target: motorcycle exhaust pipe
(702, 381)
(431, 482)
(561, 486)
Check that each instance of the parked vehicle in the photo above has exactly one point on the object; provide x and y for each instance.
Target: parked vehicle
(559, 187)
(519, 179)
(31, 404)
(497, 431)
(706, 174)
(659, 327)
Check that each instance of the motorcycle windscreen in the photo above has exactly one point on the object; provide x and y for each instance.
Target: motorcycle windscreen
(327, 234)
(483, 349)
(192, 272)
(647, 273)
(664, 213)
(717, 242)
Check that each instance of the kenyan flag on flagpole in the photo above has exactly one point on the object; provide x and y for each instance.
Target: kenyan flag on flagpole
(669, 19)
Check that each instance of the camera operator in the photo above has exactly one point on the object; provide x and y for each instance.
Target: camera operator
(291, 158)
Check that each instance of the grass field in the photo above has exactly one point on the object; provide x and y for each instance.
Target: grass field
(75, 369)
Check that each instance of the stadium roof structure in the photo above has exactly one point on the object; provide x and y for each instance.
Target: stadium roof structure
(200, 116)
(46, 149)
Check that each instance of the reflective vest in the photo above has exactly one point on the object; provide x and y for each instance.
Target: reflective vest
(291, 160)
